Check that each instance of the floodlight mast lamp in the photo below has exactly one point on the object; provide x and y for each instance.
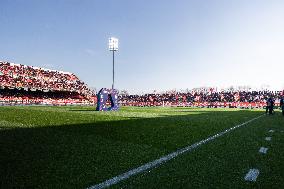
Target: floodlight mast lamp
(113, 46)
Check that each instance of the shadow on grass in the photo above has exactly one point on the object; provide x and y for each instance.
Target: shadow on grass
(81, 154)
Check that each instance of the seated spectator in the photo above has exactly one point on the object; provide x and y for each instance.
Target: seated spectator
(22, 76)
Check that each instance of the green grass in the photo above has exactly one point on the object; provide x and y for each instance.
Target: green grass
(76, 147)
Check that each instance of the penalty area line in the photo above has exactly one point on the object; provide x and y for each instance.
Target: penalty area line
(164, 159)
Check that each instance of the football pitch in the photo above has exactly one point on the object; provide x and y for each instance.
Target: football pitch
(78, 147)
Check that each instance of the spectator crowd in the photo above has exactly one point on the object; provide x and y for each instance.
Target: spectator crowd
(33, 78)
(21, 84)
(23, 97)
(205, 99)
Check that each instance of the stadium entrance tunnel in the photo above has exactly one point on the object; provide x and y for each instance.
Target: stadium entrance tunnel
(106, 95)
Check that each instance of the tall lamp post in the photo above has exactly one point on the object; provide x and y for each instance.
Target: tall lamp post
(113, 46)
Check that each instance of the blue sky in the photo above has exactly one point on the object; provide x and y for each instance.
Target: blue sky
(163, 44)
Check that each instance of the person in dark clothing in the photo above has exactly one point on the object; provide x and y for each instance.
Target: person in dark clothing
(271, 109)
(282, 105)
(269, 105)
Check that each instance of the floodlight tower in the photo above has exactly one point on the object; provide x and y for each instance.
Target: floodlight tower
(113, 46)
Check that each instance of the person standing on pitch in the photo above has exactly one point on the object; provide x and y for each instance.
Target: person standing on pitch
(269, 105)
(282, 105)
(271, 109)
(266, 107)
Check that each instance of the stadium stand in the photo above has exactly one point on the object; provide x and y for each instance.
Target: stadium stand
(230, 99)
(22, 84)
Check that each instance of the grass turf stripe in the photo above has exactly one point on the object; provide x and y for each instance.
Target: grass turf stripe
(163, 159)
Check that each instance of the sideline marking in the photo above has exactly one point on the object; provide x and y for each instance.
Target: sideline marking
(164, 159)
(5, 125)
(268, 138)
(252, 175)
(263, 150)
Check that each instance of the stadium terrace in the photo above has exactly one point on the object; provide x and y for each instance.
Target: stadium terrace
(22, 84)
(229, 99)
(26, 85)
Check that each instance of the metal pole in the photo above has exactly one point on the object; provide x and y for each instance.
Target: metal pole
(113, 69)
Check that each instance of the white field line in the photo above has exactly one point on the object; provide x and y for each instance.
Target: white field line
(263, 150)
(252, 175)
(4, 125)
(164, 159)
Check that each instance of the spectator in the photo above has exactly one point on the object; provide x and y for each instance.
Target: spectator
(282, 104)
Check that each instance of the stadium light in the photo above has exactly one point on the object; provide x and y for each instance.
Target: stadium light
(113, 46)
